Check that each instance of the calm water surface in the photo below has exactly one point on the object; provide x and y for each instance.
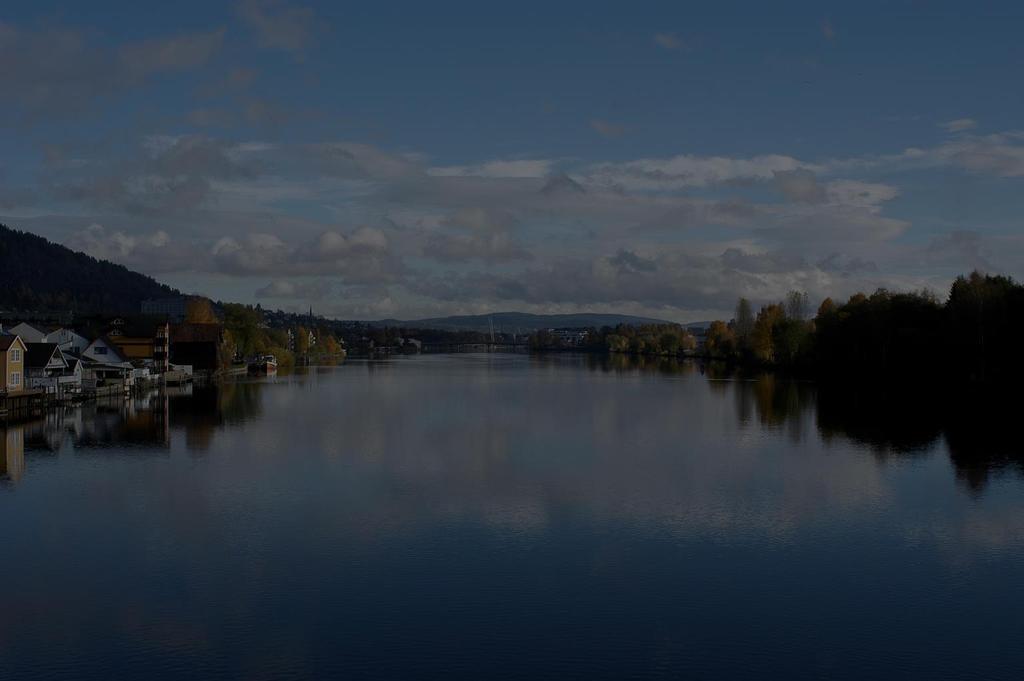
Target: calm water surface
(502, 516)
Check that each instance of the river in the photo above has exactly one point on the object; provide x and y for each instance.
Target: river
(510, 516)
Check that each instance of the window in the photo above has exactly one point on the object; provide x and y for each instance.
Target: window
(15, 379)
(100, 350)
(15, 354)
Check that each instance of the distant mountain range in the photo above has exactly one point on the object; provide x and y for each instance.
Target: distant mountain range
(36, 274)
(519, 321)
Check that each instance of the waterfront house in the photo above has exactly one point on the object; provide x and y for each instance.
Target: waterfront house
(103, 350)
(47, 369)
(12, 364)
(142, 342)
(198, 345)
(43, 360)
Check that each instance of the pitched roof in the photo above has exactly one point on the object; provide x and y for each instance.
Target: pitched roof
(38, 355)
(6, 341)
(109, 343)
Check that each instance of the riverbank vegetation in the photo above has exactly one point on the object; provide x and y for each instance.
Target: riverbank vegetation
(246, 335)
(969, 337)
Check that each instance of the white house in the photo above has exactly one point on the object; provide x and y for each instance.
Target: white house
(47, 369)
(103, 365)
(103, 351)
(68, 340)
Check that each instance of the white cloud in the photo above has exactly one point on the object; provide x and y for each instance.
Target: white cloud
(959, 125)
(147, 251)
(497, 169)
(678, 172)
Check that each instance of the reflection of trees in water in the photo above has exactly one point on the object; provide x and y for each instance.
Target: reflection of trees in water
(208, 408)
(775, 402)
(896, 421)
(983, 439)
(891, 420)
(887, 420)
(623, 363)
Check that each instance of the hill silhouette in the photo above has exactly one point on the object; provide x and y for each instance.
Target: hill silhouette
(36, 274)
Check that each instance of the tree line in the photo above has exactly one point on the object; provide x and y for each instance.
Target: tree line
(968, 337)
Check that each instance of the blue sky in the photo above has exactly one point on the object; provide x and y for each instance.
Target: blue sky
(417, 159)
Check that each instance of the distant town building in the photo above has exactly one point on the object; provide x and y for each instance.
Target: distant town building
(570, 337)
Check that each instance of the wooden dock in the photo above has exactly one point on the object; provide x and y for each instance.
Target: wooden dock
(21, 403)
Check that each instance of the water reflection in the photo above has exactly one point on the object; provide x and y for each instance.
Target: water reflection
(202, 410)
(481, 513)
(891, 420)
(140, 426)
(904, 421)
(12, 453)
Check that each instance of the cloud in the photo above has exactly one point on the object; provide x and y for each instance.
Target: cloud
(668, 41)
(1000, 155)
(630, 261)
(168, 174)
(148, 251)
(181, 52)
(476, 234)
(845, 264)
(357, 257)
(296, 290)
(607, 129)
(280, 26)
(860, 194)
(678, 172)
(962, 249)
(60, 71)
(497, 168)
(798, 185)
(959, 125)
(678, 233)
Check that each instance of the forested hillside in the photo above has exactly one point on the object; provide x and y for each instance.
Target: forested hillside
(36, 274)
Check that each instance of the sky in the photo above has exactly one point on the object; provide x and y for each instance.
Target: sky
(410, 159)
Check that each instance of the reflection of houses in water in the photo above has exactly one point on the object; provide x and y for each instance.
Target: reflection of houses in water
(141, 425)
(141, 421)
(12, 452)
